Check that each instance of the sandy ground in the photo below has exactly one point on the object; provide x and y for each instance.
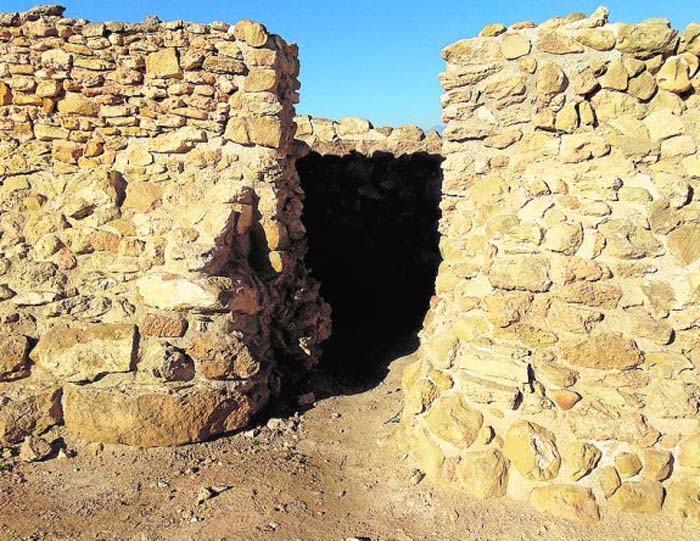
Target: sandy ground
(331, 473)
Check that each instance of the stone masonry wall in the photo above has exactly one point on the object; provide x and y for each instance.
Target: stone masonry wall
(152, 287)
(341, 137)
(560, 359)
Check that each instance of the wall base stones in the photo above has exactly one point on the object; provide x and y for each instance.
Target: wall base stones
(565, 315)
(152, 286)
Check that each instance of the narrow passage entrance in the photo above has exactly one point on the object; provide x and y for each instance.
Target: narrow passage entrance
(373, 244)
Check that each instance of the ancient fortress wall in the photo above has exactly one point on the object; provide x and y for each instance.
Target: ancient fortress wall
(152, 289)
(560, 358)
(352, 134)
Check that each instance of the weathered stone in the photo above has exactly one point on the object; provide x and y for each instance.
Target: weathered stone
(118, 410)
(550, 81)
(492, 30)
(163, 64)
(690, 40)
(608, 480)
(527, 273)
(163, 326)
(581, 458)
(674, 75)
(643, 86)
(595, 38)
(178, 141)
(221, 357)
(690, 452)
(683, 499)
(13, 357)
(684, 244)
(34, 449)
(615, 77)
(265, 131)
(84, 354)
(628, 464)
(452, 420)
(514, 46)
(74, 103)
(646, 39)
(29, 409)
(564, 238)
(532, 450)
(557, 43)
(638, 497)
(604, 352)
(658, 464)
(483, 474)
(250, 32)
(567, 501)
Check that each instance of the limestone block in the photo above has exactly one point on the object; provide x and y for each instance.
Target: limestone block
(550, 81)
(514, 46)
(608, 480)
(452, 420)
(251, 32)
(690, 40)
(690, 452)
(674, 75)
(638, 497)
(221, 356)
(13, 357)
(166, 291)
(603, 351)
(163, 64)
(683, 499)
(628, 464)
(532, 450)
(647, 39)
(526, 273)
(28, 409)
(76, 104)
(596, 38)
(84, 354)
(581, 458)
(684, 244)
(119, 410)
(483, 474)
(658, 464)
(567, 501)
(557, 43)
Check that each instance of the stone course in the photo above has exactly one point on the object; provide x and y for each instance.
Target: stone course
(152, 287)
(560, 358)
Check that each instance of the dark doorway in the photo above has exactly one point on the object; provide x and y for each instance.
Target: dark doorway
(373, 244)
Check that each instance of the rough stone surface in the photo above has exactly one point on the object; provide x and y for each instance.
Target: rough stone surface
(567, 293)
(149, 197)
(567, 501)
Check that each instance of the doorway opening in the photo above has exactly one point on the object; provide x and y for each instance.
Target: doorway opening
(373, 243)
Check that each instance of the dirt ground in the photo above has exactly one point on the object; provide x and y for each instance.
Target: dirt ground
(330, 473)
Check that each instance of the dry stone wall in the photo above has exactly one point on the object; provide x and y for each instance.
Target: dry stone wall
(560, 358)
(353, 134)
(152, 289)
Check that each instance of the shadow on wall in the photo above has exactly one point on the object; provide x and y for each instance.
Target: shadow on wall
(373, 244)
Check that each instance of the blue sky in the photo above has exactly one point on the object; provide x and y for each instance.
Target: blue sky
(378, 59)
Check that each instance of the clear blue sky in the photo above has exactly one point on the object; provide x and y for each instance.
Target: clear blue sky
(373, 58)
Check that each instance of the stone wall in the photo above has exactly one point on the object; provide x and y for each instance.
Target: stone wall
(560, 359)
(152, 287)
(340, 137)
